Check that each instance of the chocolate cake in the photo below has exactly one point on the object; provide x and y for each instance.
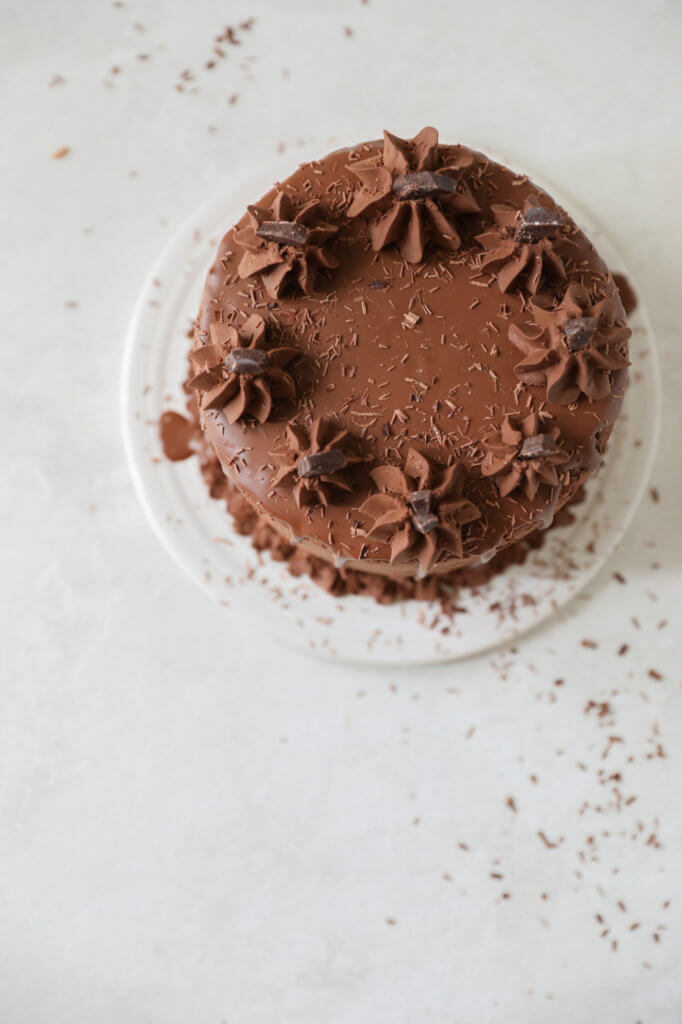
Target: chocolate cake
(408, 358)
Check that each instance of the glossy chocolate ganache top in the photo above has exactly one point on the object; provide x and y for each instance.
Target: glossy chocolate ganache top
(408, 356)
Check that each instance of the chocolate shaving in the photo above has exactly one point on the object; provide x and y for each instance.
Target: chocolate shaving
(423, 185)
(247, 360)
(541, 446)
(579, 331)
(537, 222)
(284, 232)
(321, 463)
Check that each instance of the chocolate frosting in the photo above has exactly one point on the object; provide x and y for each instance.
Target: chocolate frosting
(523, 454)
(338, 580)
(416, 191)
(180, 437)
(405, 362)
(420, 510)
(316, 462)
(522, 245)
(285, 244)
(574, 348)
(235, 372)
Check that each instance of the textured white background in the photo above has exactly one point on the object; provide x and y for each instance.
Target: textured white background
(196, 826)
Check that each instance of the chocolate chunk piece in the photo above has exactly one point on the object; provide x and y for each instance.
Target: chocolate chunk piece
(579, 331)
(284, 232)
(541, 446)
(420, 501)
(423, 185)
(425, 522)
(424, 518)
(247, 360)
(537, 222)
(321, 463)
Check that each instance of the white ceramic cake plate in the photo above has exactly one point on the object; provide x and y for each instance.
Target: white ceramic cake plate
(198, 533)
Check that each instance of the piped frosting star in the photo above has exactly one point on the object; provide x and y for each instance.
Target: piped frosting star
(286, 244)
(416, 192)
(522, 247)
(420, 510)
(523, 455)
(316, 462)
(235, 372)
(574, 348)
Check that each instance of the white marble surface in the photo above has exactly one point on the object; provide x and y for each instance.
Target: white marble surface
(194, 826)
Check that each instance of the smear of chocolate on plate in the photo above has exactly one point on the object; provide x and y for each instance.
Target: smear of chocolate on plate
(628, 295)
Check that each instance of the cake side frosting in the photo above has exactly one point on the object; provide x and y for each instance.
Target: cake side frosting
(408, 357)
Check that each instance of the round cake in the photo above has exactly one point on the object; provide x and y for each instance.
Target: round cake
(408, 357)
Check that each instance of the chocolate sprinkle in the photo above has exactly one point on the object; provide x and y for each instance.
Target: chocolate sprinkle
(423, 185)
(321, 463)
(247, 360)
(537, 222)
(541, 446)
(579, 331)
(284, 232)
